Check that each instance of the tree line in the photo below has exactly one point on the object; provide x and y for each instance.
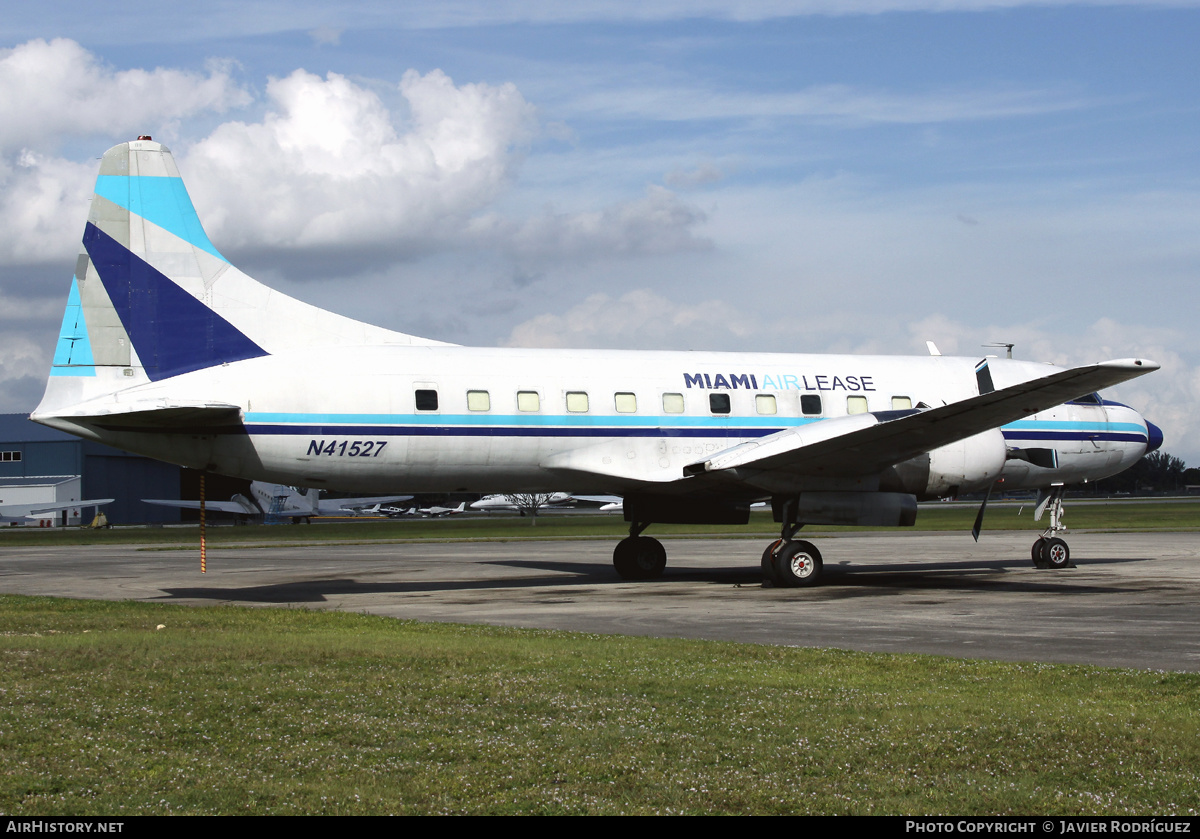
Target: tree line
(1157, 472)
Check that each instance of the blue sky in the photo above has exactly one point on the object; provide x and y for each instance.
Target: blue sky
(645, 175)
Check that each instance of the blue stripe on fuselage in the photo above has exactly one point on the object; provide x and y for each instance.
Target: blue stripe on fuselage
(498, 431)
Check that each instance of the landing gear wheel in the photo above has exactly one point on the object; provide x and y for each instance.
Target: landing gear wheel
(798, 564)
(768, 563)
(1056, 554)
(639, 558)
(1035, 553)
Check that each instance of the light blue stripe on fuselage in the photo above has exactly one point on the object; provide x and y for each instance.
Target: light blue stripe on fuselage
(161, 200)
(1052, 425)
(1029, 427)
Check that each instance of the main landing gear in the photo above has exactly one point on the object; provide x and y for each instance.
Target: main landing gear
(1049, 551)
(639, 557)
(789, 562)
(786, 562)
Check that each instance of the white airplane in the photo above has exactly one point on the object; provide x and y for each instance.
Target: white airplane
(439, 512)
(608, 503)
(170, 351)
(505, 502)
(13, 513)
(283, 502)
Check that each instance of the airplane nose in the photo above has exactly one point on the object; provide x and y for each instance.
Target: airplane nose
(1154, 437)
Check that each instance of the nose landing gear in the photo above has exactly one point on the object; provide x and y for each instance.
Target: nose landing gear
(1049, 551)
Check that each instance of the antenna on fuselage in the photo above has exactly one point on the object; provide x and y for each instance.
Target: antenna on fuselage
(1007, 347)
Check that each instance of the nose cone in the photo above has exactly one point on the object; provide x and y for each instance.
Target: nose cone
(1154, 437)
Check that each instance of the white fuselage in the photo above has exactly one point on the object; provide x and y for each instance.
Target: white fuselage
(362, 419)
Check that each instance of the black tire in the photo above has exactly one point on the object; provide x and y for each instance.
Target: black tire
(798, 564)
(768, 563)
(1056, 554)
(1035, 553)
(639, 558)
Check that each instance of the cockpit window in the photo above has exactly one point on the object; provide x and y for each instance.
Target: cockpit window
(1090, 399)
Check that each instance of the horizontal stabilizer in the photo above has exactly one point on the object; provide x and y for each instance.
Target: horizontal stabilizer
(167, 419)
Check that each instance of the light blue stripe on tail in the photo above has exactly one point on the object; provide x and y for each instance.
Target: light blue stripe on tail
(73, 353)
(163, 201)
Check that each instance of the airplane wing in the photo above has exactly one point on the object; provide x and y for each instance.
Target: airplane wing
(866, 443)
(219, 506)
(37, 511)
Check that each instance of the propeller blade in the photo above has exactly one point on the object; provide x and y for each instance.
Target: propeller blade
(979, 516)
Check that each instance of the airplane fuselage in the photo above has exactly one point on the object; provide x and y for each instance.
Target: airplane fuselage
(441, 419)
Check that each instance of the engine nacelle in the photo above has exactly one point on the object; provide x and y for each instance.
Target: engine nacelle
(969, 465)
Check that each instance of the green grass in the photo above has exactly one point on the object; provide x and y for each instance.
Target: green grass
(1117, 516)
(231, 710)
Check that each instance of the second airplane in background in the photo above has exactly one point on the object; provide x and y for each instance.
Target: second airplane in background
(278, 501)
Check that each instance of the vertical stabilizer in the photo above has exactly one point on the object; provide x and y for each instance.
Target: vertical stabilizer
(152, 297)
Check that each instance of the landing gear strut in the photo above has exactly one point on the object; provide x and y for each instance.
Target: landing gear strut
(788, 562)
(1049, 551)
(639, 557)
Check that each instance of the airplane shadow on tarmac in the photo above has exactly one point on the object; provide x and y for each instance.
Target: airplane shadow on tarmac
(842, 580)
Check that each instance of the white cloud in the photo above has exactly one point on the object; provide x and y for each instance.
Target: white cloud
(43, 205)
(329, 164)
(54, 89)
(640, 319)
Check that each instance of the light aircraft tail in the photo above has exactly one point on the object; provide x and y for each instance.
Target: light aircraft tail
(152, 297)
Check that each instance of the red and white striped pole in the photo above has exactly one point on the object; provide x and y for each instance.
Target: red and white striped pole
(203, 567)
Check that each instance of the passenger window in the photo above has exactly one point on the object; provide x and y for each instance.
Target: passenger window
(427, 400)
(672, 403)
(718, 403)
(856, 404)
(577, 402)
(765, 403)
(901, 403)
(810, 404)
(528, 401)
(478, 400)
(626, 403)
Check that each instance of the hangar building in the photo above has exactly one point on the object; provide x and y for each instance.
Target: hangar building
(34, 455)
